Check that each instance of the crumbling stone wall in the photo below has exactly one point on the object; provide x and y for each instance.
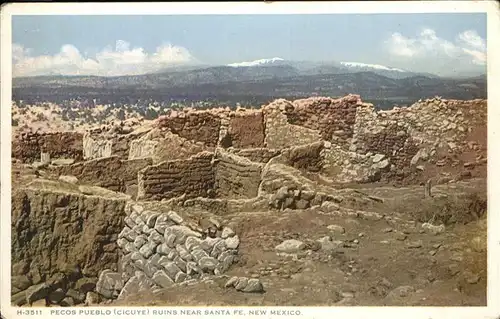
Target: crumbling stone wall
(190, 178)
(285, 187)
(142, 148)
(236, 177)
(433, 131)
(202, 126)
(279, 133)
(170, 146)
(277, 175)
(161, 250)
(359, 143)
(111, 172)
(305, 157)
(347, 167)
(246, 129)
(331, 117)
(95, 147)
(100, 143)
(121, 145)
(28, 146)
(61, 240)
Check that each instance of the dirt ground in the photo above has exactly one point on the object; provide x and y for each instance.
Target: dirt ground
(385, 258)
(388, 261)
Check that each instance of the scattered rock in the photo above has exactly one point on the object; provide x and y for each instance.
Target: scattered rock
(56, 296)
(377, 158)
(290, 246)
(232, 242)
(180, 277)
(92, 299)
(37, 292)
(181, 233)
(19, 298)
(313, 245)
(86, 284)
(381, 165)
(435, 230)
(175, 217)
(193, 242)
(208, 243)
(401, 236)
(347, 294)
(302, 204)
(109, 284)
(336, 229)
(20, 283)
(327, 244)
(421, 155)
(415, 244)
(208, 264)
(67, 302)
(401, 291)
(241, 284)
(161, 279)
(227, 232)
(78, 297)
(385, 283)
(161, 223)
(57, 280)
(254, 286)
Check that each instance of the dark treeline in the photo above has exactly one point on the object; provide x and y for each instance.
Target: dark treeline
(382, 91)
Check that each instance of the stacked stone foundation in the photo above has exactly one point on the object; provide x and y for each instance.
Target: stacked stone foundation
(160, 250)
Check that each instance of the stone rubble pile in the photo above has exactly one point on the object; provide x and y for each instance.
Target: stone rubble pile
(58, 289)
(245, 284)
(289, 197)
(161, 250)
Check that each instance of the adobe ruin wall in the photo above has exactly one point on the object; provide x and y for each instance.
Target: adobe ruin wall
(236, 177)
(28, 146)
(110, 172)
(359, 143)
(194, 177)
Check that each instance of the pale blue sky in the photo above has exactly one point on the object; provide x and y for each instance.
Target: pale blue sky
(222, 39)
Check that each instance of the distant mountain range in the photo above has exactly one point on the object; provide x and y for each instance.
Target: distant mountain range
(312, 68)
(256, 82)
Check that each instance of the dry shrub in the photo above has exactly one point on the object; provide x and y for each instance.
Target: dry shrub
(452, 209)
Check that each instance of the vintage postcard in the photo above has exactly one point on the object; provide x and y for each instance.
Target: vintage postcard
(250, 159)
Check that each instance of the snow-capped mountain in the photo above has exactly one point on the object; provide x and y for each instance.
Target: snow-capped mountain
(387, 71)
(261, 62)
(313, 68)
(370, 66)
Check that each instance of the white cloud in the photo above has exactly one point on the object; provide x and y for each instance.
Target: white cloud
(120, 60)
(427, 47)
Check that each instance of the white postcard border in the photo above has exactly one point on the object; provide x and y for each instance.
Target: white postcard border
(364, 7)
